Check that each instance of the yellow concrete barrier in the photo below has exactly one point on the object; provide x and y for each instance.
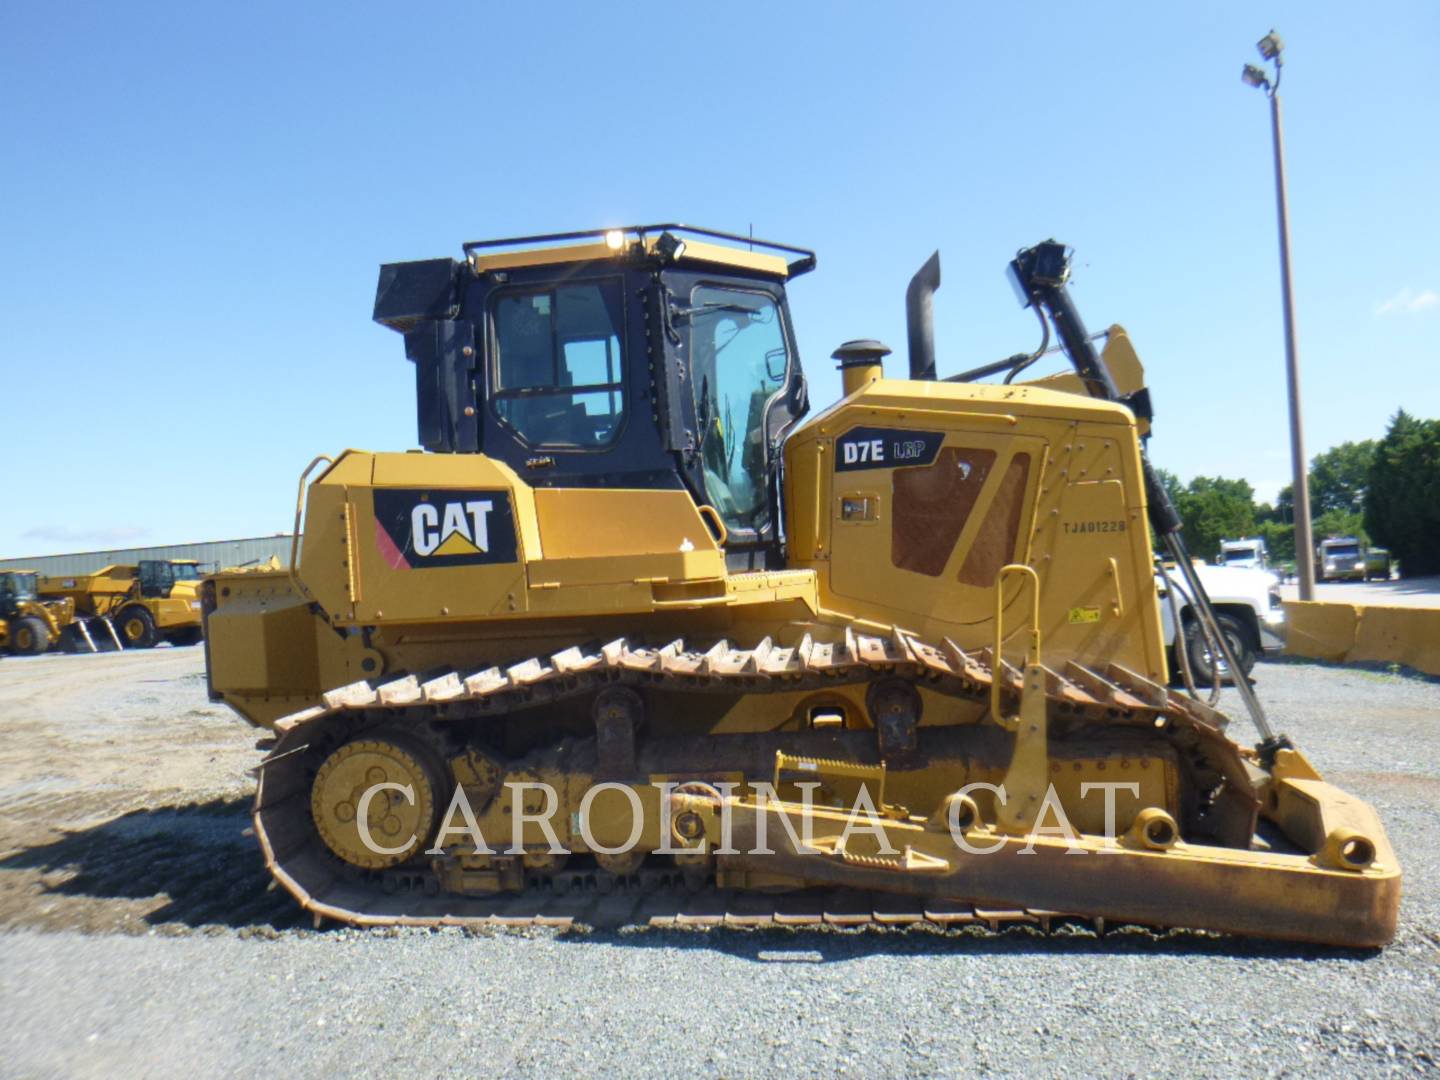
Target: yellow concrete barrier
(1399, 636)
(1320, 631)
(1344, 633)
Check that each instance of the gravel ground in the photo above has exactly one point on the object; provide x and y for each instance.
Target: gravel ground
(137, 937)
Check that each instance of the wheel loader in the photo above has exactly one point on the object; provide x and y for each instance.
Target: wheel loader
(29, 625)
(132, 606)
(635, 637)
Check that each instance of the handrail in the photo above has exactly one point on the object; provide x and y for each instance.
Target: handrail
(295, 535)
(804, 263)
(717, 521)
(1032, 654)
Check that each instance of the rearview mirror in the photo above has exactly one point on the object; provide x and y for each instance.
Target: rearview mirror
(773, 358)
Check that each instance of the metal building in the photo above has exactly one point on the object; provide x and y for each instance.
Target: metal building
(212, 555)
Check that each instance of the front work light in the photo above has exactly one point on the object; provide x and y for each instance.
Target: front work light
(670, 246)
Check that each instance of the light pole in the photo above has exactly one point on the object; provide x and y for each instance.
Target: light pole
(1272, 48)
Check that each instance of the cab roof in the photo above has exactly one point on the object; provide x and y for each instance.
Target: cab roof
(678, 244)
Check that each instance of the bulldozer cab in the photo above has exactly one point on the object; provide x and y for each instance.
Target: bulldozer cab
(645, 357)
(158, 576)
(16, 587)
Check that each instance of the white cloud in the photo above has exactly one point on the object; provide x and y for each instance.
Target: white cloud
(1408, 301)
(61, 533)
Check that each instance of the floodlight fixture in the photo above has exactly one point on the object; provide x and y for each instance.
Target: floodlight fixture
(1271, 46)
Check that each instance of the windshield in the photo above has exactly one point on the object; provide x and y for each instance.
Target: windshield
(19, 586)
(738, 362)
(1240, 554)
(1342, 551)
(185, 571)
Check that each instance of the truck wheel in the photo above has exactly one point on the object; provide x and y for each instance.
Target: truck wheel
(29, 636)
(1200, 660)
(137, 628)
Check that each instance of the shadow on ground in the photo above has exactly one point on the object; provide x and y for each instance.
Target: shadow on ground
(191, 865)
(832, 945)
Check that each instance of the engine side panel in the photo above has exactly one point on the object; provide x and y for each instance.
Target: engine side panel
(906, 499)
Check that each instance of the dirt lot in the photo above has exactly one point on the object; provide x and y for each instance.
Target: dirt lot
(123, 795)
(137, 935)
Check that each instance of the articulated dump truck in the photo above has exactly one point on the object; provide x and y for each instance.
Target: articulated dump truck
(635, 638)
(131, 606)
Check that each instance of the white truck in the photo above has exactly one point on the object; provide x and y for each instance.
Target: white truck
(1248, 552)
(1247, 607)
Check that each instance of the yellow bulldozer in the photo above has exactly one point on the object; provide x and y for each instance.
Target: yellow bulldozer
(132, 606)
(635, 638)
(30, 625)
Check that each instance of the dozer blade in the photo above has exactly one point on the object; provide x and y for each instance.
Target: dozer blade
(1130, 879)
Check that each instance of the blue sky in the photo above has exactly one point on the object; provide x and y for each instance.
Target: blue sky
(196, 199)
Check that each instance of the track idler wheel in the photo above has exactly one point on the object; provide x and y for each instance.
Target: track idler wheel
(388, 782)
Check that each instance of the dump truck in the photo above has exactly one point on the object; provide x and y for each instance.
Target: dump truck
(29, 625)
(132, 606)
(1378, 564)
(635, 637)
(1342, 558)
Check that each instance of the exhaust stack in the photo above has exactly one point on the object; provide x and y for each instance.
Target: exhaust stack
(920, 318)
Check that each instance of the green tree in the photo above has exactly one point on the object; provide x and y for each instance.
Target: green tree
(1171, 483)
(1402, 495)
(1279, 537)
(1339, 476)
(1285, 504)
(1339, 523)
(1215, 508)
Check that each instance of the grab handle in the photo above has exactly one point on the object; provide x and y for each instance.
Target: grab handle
(1032, 654)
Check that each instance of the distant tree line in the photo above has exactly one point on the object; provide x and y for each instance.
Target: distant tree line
(1386, 492)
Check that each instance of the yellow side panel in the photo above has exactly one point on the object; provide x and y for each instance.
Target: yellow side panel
(579, 523)
(174, 612)
(1123, 363)
(862, 561)
(1082, 526)
(405, 564)
(263, 644)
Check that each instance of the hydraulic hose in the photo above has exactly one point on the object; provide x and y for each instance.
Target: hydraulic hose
(1041, 273)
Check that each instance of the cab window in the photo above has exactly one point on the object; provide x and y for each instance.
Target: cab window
(738, 363)
(559, 367)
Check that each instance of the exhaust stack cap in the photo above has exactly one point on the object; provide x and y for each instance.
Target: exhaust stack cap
(862, 353)
(860, 364)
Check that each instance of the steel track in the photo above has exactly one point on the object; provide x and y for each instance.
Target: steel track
(1112, 696)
